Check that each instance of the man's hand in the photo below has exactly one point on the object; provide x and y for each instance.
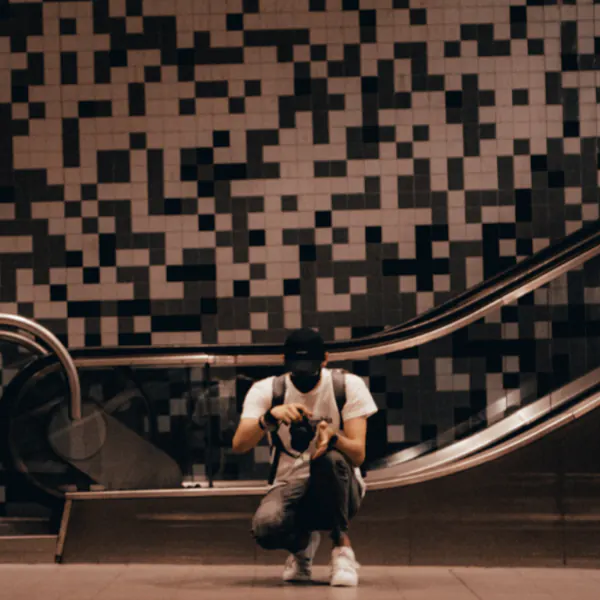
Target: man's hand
(324, 434)
(290, 412)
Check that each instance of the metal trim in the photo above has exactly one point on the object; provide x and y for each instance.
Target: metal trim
(58, 348)
(62, 533)
(24, 341)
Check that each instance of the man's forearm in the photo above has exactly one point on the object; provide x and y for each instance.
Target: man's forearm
(249, 438)
(351, 448)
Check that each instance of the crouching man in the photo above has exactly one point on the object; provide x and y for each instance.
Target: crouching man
(316, 420)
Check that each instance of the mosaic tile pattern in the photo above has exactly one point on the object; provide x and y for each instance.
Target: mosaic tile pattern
(199, 172)
(220, 171)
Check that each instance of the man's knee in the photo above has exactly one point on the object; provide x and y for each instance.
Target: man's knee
(333, 462)
(268, 527)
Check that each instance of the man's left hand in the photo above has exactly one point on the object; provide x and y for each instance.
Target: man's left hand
(324, 434)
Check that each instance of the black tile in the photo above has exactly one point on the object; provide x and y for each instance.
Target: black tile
(252, 87)
(241, 289)
(68, 27)
(571, 129)
(539, 162)
(333, 168)
(134, 8)
(68, 68)
(454, 99)
(522, 147)
(58, 293)
(250, 6)
(556, 179)
(89, 192)
(291, 287)
(367, 18)
(221, 139)
(95, 108)
(350, 4)
(235, 22)
(535, 47)
(89, 225)
(317, 5)
(340, 235)
(187, 106)
(256, 237)
(308, 253)
(418, 16)
(404, 150)
(420, 133)
(452, 49)
(237, 106)
(91, 275)
(72, 209)
(373, 235)
(524, 247)
(487, 98)
(323, 218)
(152, 74)
(372, 185)
(224, 239)
(206, 222)
(487, 131)
(137, 141)
(289, 203)
(520, 97)
(137, 99)
(113, 166)
(318, 52)
(37, 110)
(258, 271)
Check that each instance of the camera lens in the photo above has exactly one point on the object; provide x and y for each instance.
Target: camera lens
(301, 434)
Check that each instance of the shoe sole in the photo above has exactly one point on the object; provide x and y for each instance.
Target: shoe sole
(343, 584)
(298, 580)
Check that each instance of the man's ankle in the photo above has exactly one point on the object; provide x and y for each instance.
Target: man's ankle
(342, 540)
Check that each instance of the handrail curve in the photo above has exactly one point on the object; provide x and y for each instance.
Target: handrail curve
(54, 344)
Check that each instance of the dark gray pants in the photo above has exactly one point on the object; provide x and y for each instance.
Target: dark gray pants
(326, 501)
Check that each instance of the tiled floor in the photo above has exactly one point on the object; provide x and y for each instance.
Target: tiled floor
(121, 582)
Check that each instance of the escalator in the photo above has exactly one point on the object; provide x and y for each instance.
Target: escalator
(530, 500)
(512, 483)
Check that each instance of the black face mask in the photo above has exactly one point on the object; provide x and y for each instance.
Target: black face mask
(304, 382)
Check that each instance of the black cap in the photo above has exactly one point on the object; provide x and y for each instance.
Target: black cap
(304, 351)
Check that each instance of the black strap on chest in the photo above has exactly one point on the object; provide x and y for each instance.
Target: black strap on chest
(279, 384)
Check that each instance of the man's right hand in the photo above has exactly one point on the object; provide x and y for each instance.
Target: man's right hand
(287, 413)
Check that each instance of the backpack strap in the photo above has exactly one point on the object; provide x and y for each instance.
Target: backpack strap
(277, 400)
(338, 377)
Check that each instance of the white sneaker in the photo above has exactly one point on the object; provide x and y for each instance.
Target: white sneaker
(298, 567)
(344, 568)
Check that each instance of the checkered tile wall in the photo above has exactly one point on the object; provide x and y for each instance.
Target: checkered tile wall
(221, 171)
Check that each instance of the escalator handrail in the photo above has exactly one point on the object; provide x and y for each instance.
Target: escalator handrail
(62, 354)
(475, 450)
(14, 337)
(561, 249)
(385, 342)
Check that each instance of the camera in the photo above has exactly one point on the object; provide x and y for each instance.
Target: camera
(301, 433)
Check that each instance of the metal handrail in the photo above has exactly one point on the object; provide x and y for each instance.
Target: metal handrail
(22, 340)
(55, 345)
(370, 346)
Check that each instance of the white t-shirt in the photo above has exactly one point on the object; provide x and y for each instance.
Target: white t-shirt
(321, 401)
